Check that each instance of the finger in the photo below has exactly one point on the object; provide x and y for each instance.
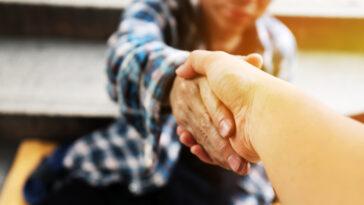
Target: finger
(254, 59)
(200, 61)
(244, 169)
(179, 130)
(187, 139)
(229, 78)
(196, 63)
(218, 148)
(222, 118)
(186, 70)
(201, 154)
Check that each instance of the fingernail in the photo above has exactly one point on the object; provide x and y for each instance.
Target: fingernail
(225, 127)
(234, 162)
(179, 130)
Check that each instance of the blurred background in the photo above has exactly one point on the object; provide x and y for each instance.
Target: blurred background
(52, 56)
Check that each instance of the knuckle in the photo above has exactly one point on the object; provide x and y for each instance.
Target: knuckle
(180, 118)
(196, 53)
(188, 87)
(220, 114)
(219, 57)
(205, 117)
(183, 123)
(219, 53)
(180, 121)
(202, 137)
(183, 88)
(205, 124)
(178, 108)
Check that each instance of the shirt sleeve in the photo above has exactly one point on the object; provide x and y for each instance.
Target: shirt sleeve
(285, 49)
(141, 65)
(279, 47)
(139, 149)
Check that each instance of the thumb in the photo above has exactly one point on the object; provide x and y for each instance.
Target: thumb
(197, 63)
(254, 59)
(200, 60)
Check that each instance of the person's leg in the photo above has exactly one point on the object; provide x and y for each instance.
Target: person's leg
(194, 182)
(75, 192)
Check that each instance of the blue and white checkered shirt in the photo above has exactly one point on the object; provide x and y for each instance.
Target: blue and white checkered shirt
(141, 148)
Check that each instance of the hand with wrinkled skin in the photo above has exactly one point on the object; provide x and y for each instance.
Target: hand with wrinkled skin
(193, 103)
(185, 136)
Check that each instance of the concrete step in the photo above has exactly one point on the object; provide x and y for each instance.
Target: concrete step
(54, 77)
(53, 88)
(67, 78)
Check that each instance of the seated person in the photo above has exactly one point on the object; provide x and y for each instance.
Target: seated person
(312, 154)
(139, 157)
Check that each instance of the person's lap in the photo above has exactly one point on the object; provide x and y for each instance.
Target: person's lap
(191, 182)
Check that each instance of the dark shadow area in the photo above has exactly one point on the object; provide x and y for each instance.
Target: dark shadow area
(57, 21)
(56, 128)
(7, 153)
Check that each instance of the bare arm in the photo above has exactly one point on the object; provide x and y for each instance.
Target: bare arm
(312, 154)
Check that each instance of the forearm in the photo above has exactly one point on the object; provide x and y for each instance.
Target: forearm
(312, 155)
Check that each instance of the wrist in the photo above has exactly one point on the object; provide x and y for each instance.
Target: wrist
(257, 117)
(272, 112)
(251, 100)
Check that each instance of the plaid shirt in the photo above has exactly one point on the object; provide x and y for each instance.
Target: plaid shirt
(141, 148)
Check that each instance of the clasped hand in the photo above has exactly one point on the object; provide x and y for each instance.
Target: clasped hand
(209, 112)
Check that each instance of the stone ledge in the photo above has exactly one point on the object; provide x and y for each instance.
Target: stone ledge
(67, 78)
(54, 77)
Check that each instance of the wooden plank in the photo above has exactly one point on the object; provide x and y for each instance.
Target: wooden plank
(327, 33)
(27, 158)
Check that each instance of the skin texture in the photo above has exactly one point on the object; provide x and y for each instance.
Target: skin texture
(192, 114)
(229, 84)
(188, 138)
(227, 23)
(312, 155)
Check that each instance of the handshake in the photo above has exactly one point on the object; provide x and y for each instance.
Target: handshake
(213, 101)
(231, 114)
